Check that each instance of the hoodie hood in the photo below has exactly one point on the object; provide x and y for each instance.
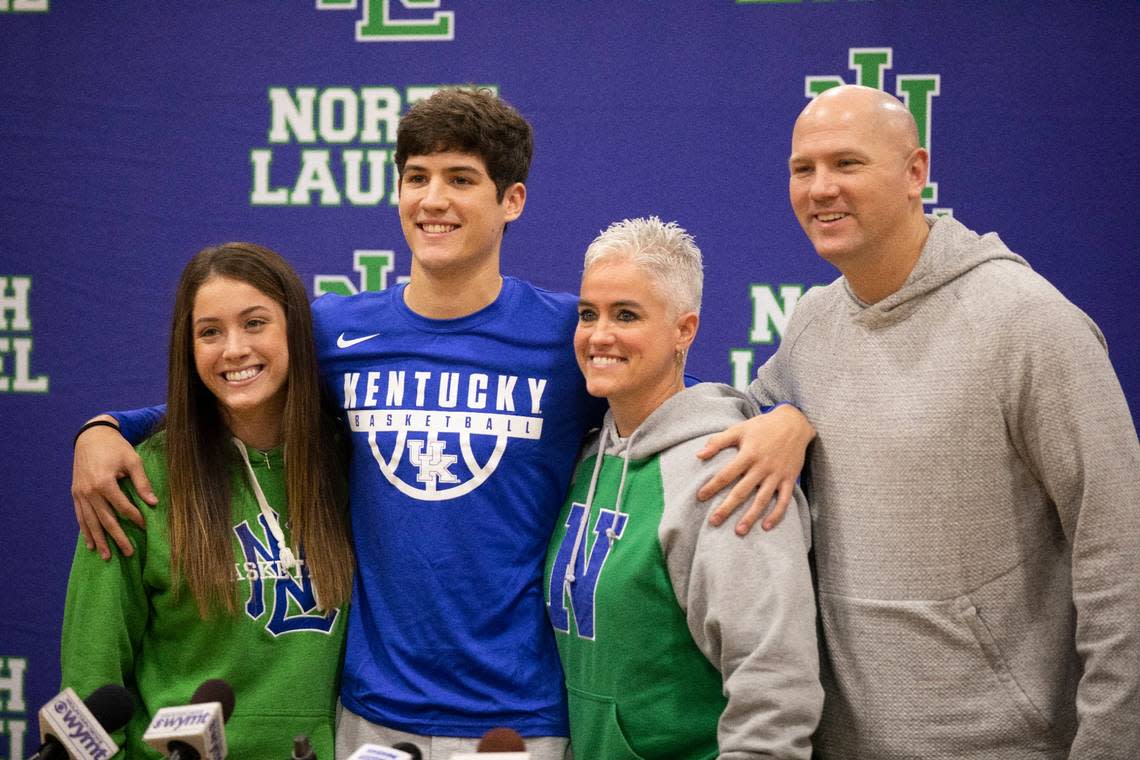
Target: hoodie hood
(951, 251)
(699, 410)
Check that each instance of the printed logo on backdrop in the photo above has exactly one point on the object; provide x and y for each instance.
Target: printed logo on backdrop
(332, 146)
(372, 268)
(13, 707)
(294, 604)
(773, 304)
(413, 24)
(917, 92)
(24, 6)
(16, 338)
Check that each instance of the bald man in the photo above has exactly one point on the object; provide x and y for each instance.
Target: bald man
(975, 480)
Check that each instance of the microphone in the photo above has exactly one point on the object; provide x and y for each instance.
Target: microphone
(497, 744)
(398, 751)
(194, 731)
(303, 749)
(70, 728)
(412, 750)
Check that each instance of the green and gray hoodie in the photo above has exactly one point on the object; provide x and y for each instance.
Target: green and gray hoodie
(679, 640)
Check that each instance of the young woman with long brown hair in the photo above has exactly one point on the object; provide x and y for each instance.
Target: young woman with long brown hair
(243, 565)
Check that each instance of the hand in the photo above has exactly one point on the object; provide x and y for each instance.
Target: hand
(102, 456)
(770, 454)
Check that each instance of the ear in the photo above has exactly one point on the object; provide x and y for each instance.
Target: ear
(686, 327)
(513, 201)
(917, 170)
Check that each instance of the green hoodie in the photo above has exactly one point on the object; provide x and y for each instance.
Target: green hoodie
(124, 624)
(679, 640)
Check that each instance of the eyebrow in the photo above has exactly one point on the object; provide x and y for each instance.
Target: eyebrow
(242, 313)
(457, 169)
(615, 304)
(830, 155)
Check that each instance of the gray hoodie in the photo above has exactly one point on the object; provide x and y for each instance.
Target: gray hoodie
(975, 490)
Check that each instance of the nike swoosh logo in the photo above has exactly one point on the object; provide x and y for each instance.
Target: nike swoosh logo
(342, 342)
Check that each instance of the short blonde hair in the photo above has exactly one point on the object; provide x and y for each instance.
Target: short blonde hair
(664, 249)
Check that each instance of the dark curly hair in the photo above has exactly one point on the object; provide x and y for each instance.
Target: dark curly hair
(469, 120)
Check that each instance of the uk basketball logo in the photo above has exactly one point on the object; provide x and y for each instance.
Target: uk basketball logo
(435, 435)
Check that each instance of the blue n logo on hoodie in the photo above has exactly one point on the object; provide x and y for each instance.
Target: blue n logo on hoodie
(584, 587)
(262, 562)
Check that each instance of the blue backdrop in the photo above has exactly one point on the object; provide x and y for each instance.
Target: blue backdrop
(132, 134)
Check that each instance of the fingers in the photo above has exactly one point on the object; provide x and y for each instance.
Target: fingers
(717, 443)
(727, 475)
(780, 506)
(91, 527)
(88, 541)
(757, 508)
(102, 522)
(95, 511)
(770, 501)
(743, 488)
(119, 502)
(100, 458)
(110, 525)
(134, 470)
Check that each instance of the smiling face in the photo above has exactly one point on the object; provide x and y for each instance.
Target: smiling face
(451, 215)
(628, 340)
(241, 355)
(856, 175)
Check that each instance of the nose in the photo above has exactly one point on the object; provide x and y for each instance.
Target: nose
(435, 195)
(236, 346)
(823, 185)
(602, 333)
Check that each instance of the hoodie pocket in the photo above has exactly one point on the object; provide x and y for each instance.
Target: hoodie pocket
(596, 731)
(926, 675)
(1033, 718)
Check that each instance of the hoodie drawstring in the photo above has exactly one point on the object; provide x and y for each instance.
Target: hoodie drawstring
(285, 554)
(611, 534)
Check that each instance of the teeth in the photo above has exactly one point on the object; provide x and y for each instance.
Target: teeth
(245, 374)
(829, 217)
(604, 361)
(435, 228)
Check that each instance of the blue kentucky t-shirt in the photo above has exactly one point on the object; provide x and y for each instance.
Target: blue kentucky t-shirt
(464, 434)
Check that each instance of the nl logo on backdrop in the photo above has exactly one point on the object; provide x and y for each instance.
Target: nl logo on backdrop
(415, 20)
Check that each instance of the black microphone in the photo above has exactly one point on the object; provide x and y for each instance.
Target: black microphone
(410, 748)
(71, 728)
(303, 748)
(194, 731)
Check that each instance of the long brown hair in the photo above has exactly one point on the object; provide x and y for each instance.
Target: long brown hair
(200, 456)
